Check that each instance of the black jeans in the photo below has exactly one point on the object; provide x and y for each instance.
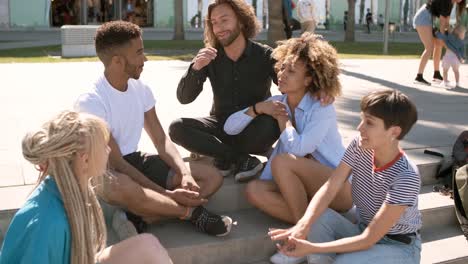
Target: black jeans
(206, 136)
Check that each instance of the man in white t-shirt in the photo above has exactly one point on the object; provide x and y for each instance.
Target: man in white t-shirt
(149, 187)
(306, 14)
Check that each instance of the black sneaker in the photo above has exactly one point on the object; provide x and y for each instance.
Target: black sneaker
(437, 77)
(224, 166)
(212, 224)
(247, 168)
(420, 80)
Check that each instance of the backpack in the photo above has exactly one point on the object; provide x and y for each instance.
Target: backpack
(456, 170)
(460, 197)
(460, 180)
(459, 157)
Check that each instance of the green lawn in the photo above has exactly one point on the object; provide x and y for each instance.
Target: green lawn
(185, 50)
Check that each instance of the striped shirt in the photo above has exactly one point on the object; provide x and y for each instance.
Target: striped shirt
(397, 183)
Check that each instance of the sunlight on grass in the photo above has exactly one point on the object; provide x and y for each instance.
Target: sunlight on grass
(186, 50)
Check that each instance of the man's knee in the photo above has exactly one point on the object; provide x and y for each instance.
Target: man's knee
(260, 135)
(176, 130)
(122, 191)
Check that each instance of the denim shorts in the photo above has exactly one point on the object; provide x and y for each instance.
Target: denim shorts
(423, 17)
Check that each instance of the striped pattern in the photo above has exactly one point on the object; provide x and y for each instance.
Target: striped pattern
(397, 184)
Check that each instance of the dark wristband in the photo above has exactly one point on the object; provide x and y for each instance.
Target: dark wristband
(254, 109)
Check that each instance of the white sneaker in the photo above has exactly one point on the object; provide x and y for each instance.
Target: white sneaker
(280, 258)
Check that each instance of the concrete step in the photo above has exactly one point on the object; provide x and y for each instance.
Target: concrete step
(444, 245)
(428, 164)
(231, 196)
(440, 246)
(248, 241)
(436, 210)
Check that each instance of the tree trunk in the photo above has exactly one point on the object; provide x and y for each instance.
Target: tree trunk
(179, 33)
(361, 12)
(349, 35)
(327, 14)
(275, 18)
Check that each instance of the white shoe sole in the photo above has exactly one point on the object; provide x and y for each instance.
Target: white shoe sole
(228, 222)
(245, 176)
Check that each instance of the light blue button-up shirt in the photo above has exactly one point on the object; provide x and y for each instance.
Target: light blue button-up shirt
(316, 132)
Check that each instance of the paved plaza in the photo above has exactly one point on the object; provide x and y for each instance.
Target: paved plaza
(32, 93)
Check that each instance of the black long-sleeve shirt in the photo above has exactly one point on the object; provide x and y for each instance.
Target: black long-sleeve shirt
(440, 7)
(236, 84)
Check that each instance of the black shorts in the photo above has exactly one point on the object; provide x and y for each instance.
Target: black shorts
(153, 167)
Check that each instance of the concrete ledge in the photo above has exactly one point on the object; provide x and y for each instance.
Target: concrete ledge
(247, 242)
(78, 41)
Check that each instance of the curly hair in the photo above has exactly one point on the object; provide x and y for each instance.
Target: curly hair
(245, 13)
(319, 57)
(113, 35)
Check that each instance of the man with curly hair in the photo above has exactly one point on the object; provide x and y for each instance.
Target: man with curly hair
(240, 72)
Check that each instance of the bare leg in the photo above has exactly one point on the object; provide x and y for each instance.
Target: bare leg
(144, 249)
(457, 75)
(300, 178)
(437, 53)
(265, 196)
(126, 193)
(445, 75)
(425, 34)
(207, 177)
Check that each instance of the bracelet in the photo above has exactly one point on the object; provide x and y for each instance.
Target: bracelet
(255, 110)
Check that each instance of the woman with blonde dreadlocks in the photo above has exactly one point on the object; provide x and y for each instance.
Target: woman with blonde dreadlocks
(62, 221)
(309, 146)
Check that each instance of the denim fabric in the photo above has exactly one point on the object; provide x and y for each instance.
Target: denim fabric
(333, 226)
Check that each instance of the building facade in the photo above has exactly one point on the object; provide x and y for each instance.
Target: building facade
(160, 13)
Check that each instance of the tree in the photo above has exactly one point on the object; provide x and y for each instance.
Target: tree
(179, 33)
(361, 11)
(275, 18)
(349, 34)
(327, 14)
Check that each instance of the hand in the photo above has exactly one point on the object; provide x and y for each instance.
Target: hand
(324, 98)
(282, 120)
(296, 247)
(298, 231)
(203, 58)
(189, 183)
(186, 197)
(272, 108)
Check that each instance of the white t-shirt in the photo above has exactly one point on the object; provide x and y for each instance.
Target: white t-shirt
(122, 111)
(306, 10)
